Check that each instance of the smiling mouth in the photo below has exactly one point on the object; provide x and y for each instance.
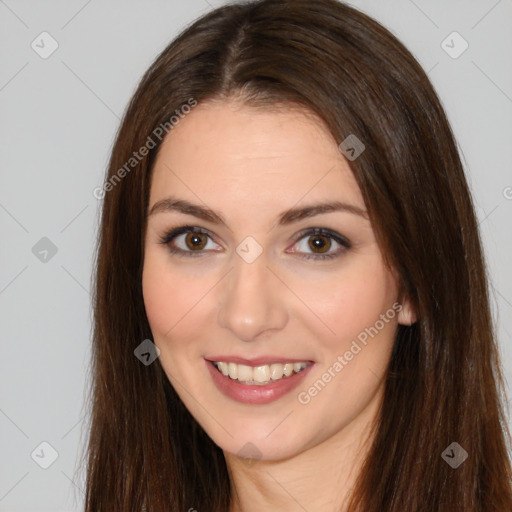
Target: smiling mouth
(259, 375)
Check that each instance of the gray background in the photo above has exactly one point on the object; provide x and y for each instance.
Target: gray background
(57, 123)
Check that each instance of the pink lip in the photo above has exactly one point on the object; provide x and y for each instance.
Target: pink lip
(257, 361)
(254, 394)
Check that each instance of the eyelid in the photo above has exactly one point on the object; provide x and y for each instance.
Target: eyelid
(172, 233)
(324, 232)
(337, 237)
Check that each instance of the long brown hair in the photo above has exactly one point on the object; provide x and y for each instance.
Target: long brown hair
(444, 379)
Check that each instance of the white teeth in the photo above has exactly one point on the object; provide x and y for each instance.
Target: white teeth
(233, 370)
(244, 372)
(224, 368)
(261, 373)
(288, 369)
(258, 374)
(276, 371)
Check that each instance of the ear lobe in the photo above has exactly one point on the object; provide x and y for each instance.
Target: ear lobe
(407, 315)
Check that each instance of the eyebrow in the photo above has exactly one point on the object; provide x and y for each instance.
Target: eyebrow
(289, 216)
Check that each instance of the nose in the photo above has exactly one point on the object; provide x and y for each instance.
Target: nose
(252, 300)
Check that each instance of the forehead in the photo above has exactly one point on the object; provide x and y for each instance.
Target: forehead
(253, 157)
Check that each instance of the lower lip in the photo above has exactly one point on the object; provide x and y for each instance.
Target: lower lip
(254, 394)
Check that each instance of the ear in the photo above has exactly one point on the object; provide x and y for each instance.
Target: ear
(406, 315)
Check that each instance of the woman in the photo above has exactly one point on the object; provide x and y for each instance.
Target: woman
(329, 345)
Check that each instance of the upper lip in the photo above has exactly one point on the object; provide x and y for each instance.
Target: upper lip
(257, 361)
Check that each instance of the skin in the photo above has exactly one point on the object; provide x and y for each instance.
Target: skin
(250, 165)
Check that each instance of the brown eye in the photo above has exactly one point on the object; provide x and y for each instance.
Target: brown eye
(189, 241)
(195, 240)
(319, 242)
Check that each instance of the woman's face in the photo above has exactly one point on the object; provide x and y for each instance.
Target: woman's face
(249, 284)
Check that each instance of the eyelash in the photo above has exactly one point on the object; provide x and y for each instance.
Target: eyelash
(167, 238)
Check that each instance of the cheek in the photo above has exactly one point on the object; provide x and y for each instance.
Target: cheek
(172, 301)
(348, 302)
(157, 291)
(354, 352)
(170, 296)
